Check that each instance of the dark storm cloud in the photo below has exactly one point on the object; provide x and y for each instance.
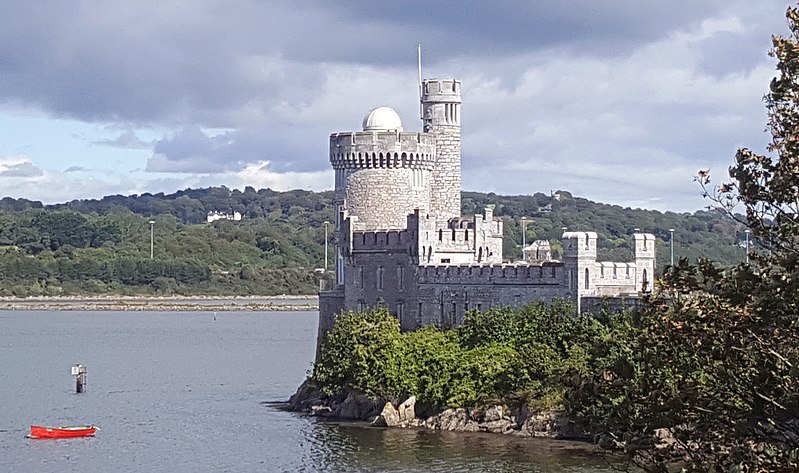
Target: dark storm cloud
(507, 26)
(24, 169)
(187, 62)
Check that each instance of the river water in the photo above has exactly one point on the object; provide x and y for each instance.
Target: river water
(184, 391)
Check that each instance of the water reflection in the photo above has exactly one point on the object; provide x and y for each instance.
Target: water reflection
(356, 447)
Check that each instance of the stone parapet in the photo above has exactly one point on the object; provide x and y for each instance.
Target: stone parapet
(368, 149)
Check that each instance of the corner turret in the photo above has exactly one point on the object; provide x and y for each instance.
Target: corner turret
(644, 261)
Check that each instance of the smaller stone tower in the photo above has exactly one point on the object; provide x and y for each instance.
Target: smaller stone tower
(644, 261)
(441, 112)
(579, 258)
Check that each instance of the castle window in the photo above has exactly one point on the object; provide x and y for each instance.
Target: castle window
(417, 179)
(552, 268)
(614, 272)
(360, 277)
(339, 215)
(440, 235)
(480, 255)
(453, 234)
(399, 310)
(380, 277)
(400, 277)
(627, 272)
(602, 271)
(361, 305)
(429, 253)
(586, 278)
(339, 268)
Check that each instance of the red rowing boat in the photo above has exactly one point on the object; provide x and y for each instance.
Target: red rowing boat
(39, 432)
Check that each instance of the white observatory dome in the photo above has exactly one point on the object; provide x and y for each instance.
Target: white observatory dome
(382, 119)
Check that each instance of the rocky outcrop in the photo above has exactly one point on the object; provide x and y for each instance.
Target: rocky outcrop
(403, 416)
(351, 405)
(550, 424)
(495, 419)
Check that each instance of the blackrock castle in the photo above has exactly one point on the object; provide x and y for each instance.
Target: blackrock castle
(400, 239)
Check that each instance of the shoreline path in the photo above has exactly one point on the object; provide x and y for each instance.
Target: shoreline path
(165, 303)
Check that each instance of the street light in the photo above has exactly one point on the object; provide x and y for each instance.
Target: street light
(671, 245)
(747, 245)
(326, 224)
(152, 234)
(524, 240)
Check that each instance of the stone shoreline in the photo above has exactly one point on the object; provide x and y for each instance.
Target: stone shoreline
(353, 406)
(162, 303)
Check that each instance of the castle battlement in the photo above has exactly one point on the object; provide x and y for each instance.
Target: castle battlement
(507, 273)
(372, 149)
(441, 90)
(579, 244)
(391, 240)
(612, 273)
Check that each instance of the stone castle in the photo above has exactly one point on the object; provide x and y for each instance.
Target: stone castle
(400, 239)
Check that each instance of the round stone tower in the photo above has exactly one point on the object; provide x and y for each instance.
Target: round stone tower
(441, 112)
(382, 173)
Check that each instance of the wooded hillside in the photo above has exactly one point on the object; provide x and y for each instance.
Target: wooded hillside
(103, 246)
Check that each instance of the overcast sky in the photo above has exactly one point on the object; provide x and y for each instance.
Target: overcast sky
(617, 101)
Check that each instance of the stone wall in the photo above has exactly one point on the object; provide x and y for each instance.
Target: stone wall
(383, 198)
(331, 303)
(385, 278)
(446, 293)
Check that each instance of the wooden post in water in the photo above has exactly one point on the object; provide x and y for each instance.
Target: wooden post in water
(79, 371)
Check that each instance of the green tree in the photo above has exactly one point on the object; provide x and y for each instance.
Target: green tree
(715, 370)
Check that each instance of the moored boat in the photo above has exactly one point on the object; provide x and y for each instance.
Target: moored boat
(41, 432)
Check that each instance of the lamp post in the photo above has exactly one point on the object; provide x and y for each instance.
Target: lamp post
(152, 235)
(671, 245)
(326, 224)
(524, 239)
(747, 245)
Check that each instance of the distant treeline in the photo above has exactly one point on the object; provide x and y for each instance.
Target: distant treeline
(103, 246)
